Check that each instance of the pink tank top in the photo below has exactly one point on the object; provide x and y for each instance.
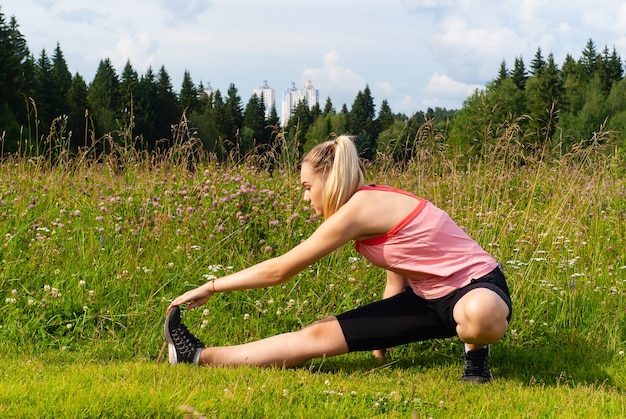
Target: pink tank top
(429, 249)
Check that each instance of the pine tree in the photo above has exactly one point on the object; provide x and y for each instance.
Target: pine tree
(253, 125)
(129, 82)
(538, 64)
(44, 94)
(544, 97)
(233, 117)
(103, 98)
(78, 118)
(361, 122)
(589, 60)
(16, 80)
(61, 83)
(167, 107)
(519, 75)
(503, 74)
(385, 116)
(188, 95)
(146, 109)
(328, 107)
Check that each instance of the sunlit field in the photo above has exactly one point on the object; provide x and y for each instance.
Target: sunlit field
(92, 252)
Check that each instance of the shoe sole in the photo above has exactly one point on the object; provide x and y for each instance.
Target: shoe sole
(171, 349)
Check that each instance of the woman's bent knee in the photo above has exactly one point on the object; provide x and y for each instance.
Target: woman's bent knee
(481, 316)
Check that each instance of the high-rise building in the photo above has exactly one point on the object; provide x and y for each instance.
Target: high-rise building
(293, 96)
(267, 95)
(310, 94)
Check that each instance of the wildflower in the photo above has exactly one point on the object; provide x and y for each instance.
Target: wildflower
(85, 308)
(267, 248)
(246, 316)
(82, 283)
(69, 326)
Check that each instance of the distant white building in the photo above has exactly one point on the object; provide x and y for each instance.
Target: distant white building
(293, 96)
(266, 93)
(208, 89)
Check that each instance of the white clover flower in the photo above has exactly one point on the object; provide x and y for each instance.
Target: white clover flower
(246, 316)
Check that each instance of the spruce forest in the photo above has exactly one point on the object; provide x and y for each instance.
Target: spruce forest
(45, 108)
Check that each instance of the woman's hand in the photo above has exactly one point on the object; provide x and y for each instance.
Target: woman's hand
(195, 297)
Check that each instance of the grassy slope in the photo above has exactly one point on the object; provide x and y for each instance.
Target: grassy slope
(117, 245)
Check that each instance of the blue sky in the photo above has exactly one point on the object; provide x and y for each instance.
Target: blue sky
(414, 53)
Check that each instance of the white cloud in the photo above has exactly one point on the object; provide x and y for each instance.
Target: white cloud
(333, 75)
(442, 86)
(421, 6)
(185, 10)
(140, 50)
(474, 51)
(384, 88)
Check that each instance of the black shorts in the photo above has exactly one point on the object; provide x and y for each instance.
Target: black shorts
(406, 317)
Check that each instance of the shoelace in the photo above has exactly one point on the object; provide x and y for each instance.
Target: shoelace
(184, 341)
(476, 364)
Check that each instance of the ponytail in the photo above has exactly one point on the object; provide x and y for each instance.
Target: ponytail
(341, 168)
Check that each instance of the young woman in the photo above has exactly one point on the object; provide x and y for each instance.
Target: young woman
(440, 283)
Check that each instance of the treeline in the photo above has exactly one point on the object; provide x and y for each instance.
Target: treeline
(549, 105)
(42, 100)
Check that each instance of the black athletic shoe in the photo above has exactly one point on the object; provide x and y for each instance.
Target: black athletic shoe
(182, 346)
(477, 366)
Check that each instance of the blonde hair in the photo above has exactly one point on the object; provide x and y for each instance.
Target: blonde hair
(341, 168)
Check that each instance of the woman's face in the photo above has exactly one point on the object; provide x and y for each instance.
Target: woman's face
(313, 184)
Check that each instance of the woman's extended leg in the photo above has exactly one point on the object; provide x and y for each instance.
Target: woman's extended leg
(323, 338)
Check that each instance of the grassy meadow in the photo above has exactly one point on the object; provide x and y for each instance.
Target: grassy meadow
(91, 253)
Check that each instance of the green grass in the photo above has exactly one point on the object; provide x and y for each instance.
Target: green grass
(90, 255)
